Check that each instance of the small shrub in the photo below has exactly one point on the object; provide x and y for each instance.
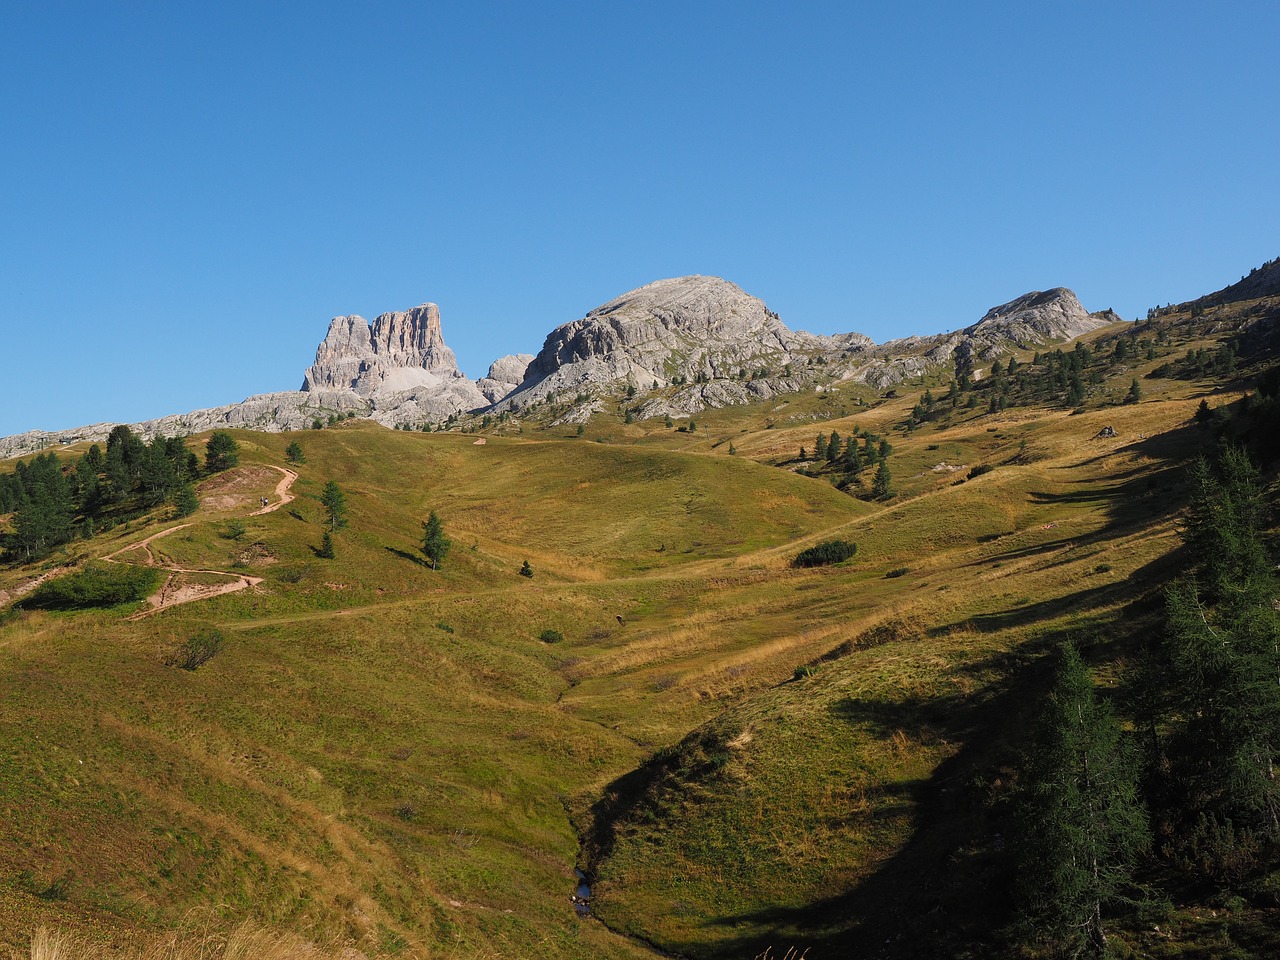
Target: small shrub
(234, 530)
(803, 671)
(526, 570)
(551, 636)
(1102, 568)
(291, 574)
(825, 553)
(197, 651)
(980, 469)
(895, 572)
(95, 586)
(407, 812)
(444, 626)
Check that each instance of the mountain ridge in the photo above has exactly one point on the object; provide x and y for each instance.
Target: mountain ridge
(679, 345)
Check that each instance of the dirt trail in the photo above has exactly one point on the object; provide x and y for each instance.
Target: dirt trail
(171, 595)
(282, 491)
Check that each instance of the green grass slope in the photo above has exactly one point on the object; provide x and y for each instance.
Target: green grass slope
(379, 750)
(390, 756)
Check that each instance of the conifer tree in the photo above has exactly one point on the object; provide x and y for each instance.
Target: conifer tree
(221, 452)
(293, 453)
(326, 547)
(335, 503)
(882, 485)
(1222, 654)
(435, 545)
(1081, 826)
(185, 501)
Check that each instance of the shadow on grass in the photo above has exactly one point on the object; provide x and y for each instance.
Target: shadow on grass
(405, 555)
(949, 890)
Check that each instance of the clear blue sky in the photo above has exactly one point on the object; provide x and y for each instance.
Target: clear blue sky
(192, 190)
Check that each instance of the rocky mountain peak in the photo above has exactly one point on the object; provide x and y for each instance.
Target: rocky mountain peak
(1036, 318)
(400, 351)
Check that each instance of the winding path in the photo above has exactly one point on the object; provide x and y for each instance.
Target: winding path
(170, 596)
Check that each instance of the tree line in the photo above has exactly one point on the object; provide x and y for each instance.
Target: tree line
(845, 458)
(1190, 793)
(54, 502)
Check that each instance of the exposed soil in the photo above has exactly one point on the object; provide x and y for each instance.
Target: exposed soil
(22, 589)
(178, 587)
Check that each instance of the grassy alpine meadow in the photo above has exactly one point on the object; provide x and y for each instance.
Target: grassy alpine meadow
(361, 752)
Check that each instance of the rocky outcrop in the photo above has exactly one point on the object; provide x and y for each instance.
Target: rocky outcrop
(400, 367)
(1032, 320)
(683, 331)
(673, 347)
(505, 374)
(400, 352)
(1035, 319)
(269, 412)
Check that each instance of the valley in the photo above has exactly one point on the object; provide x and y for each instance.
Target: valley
(740, 756)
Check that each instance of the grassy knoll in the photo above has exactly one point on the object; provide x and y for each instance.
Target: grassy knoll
(376, 751)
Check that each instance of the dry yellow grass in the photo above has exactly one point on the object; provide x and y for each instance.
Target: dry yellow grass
(247, 942)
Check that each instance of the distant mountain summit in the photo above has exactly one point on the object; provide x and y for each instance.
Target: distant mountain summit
(400, 351)
(708, 338)
(1037, 318)
(673, 347)
(400, 365)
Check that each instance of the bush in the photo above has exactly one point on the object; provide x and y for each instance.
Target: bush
(197, 651)
(980, 469)
(825, 553)
(444, 626)
(551, 636)
(804, 671)
(895, 572)
(97, 585)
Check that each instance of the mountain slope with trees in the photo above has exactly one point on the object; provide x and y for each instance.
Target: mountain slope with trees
(742, 753)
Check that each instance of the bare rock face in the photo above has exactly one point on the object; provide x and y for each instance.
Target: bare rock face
(400, 352)
(1036, 318)
(505, 374)
(686, 330)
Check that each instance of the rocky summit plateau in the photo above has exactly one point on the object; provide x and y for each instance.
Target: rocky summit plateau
(673, 348)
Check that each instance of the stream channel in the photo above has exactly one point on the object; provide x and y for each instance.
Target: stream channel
(582, 895)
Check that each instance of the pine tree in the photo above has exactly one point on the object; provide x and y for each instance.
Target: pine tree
(1222, 660)
(293, 453)
(1081, 826)
(852, 459)
(882, 485)
(1135, 392)
(435, 545)
(326, 547)
(833, 447)
(820, 447)
(185, 501)
(335, 503)
(221, 452)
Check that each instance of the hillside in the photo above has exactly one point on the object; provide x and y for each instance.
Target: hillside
(742, 756)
